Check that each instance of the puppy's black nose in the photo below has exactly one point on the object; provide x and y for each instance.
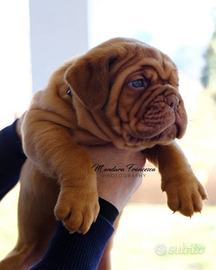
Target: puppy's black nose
(172, 101)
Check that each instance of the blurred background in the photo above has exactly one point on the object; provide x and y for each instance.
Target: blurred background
(37, 36)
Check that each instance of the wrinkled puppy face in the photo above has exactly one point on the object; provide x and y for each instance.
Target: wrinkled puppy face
(134, 89)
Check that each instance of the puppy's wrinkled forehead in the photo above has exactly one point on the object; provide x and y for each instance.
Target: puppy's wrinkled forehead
(135, 53)
(92, 75)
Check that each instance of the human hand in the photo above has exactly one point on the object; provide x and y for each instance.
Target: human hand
(116, 187)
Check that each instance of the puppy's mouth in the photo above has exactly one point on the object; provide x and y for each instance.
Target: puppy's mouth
(169, 133)
(163, 120)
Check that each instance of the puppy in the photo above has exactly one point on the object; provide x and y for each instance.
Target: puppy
(122, 92)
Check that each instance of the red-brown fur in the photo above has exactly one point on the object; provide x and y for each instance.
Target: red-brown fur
(104, 109)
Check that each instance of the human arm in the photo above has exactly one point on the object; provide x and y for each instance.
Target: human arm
(78, 251)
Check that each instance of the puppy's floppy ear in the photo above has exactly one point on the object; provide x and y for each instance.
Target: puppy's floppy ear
(89, 78)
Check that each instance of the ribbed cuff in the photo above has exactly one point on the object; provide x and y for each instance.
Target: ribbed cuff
(108, 210)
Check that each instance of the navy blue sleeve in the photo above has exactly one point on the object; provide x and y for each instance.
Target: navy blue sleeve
(76, 251)
(11, 159)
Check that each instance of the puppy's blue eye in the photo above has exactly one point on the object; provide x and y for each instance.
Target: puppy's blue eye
(68, 92)
(138, 83)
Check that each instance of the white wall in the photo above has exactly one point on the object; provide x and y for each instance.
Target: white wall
(58, 31)
(15, 66)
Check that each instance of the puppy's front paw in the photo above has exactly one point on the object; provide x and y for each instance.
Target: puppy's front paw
(78, 209)
(185, 196)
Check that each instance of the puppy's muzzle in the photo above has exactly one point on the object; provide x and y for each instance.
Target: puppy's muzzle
(172, 101)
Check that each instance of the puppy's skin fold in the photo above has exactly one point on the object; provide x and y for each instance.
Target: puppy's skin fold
(123, 92)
